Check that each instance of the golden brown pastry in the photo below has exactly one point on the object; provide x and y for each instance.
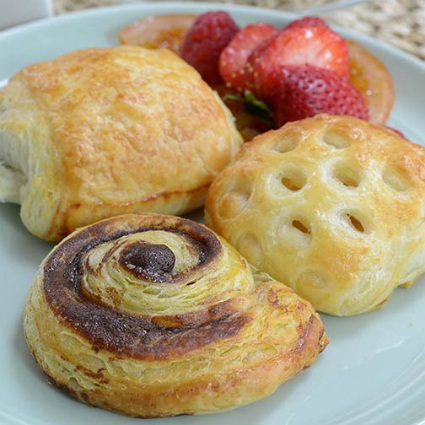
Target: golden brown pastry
(332, 206)
(151, 315)
(101, 132)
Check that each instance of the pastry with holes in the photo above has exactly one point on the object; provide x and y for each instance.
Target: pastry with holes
(332, 206)
(101, 132)
(151, 315)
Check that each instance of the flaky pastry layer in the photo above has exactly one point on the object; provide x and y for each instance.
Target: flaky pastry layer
(152, 315)
(101, 132)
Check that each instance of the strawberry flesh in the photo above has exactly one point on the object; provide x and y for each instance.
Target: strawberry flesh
(234, 56)
(316, 46)
(254, 82)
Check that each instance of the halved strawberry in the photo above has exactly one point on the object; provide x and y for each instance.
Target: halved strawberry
(234, 56)
(304, 91)
(298, 46)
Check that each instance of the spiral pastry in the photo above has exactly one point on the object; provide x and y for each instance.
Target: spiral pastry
(152, 315)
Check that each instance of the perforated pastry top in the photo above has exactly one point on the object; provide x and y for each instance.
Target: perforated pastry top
(332, 206)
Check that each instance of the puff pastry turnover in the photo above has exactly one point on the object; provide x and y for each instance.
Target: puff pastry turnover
(332, 206)
(101, 132)
(152, 315)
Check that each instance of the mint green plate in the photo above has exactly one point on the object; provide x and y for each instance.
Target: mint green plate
(372, 372)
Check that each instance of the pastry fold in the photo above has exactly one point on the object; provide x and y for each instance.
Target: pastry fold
(100, 132)
(332, 206)
(151, 315)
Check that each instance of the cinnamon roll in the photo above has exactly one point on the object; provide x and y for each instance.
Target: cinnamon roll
(100, 132)
(332, 206)
(152, 315)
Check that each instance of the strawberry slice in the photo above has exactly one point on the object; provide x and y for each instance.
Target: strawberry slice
(234, 56)
(304, 91)
(298, 46)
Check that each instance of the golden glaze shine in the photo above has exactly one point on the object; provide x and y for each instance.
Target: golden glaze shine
(333, 206)
(100, 132)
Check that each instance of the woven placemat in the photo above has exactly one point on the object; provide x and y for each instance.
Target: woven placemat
(400, 23)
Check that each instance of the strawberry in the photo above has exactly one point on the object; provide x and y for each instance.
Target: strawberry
(307, 21)
(204, 42)
(315, 46)
(371, 76)
(234, 56)
(304, 91)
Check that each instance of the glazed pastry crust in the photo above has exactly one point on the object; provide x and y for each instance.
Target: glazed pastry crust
(101, 132)
(211, 334)
(331, 206)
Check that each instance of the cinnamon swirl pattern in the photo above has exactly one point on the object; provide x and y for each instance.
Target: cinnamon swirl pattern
(152, 315)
